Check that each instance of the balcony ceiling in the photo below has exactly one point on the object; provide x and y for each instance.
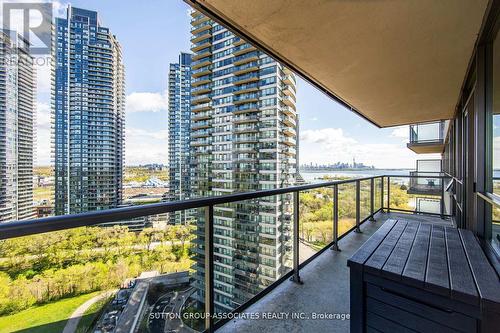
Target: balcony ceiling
(393, 62)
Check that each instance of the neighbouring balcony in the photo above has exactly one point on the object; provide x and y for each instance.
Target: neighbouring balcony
(427, 138)
(423, 181)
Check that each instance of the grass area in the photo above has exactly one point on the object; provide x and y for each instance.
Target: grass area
(141, 174)
(92, 314)
(47, 318)
(41, 193)
(45, 171)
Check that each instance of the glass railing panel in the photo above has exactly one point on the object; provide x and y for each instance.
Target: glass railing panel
(426, 132)
(378, 193)
(253, 248)
(347, 207)
(399, 197)
(364, 199)
(495, 227)
(315, 221)
(142, 267)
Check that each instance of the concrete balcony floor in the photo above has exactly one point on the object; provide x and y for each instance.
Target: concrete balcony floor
(325, 289)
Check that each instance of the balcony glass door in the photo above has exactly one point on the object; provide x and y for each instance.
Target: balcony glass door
(469, 155)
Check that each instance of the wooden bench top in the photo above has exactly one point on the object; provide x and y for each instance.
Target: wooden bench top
(443, 260)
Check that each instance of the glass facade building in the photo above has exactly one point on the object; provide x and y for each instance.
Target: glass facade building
(243, 138)
(17, 114)
(179, 129)
(88, 114)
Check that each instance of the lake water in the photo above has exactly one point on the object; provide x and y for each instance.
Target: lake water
(312, 177)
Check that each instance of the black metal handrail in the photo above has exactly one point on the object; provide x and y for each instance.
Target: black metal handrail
(55, 223)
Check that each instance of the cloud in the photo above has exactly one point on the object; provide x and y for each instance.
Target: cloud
(42, 134)
(145, 146)
(139, 132)
(330, 145)
(146, 102)
(400, 132)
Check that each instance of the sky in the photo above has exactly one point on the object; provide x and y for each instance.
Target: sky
(152, 33)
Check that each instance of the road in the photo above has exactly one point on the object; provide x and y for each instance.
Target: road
(170, 303)
(75, 317)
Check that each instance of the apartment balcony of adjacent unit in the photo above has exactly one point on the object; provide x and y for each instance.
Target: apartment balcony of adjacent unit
(289, 131)
(289, 101)
(246, 88)
(201, 133)
(201, 89)
(246, 128)
(288, 140)
(200, 63)
(290, 151)
(201, 107)
(201, 116)
(243, 119)
(200, 125)
(425, 180)
(425, 183)
(289, 80)
(251, 149)
(201, 36)
(245, 58)
(245, 108)
(198, 21)
(246, 68)
(200, 99)
(200, 80)
(245, 78)
(195, 73)
(204, 44)
(242, 49)
(288, 110)
(245, 98)
(288, 121)
(237, 41)
(289, 90)
(204, 53)
(427, 138)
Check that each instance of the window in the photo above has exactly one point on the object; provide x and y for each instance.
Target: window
(495, 228)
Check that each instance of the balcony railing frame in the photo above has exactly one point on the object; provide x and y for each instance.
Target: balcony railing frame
(55, 223)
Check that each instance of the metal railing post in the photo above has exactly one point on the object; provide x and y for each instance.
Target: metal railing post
(382, 194)
(335, 246)
(441, 210)
(296, 277)
(372, 199)
(358, 196)
(388, 194)
(209, 268)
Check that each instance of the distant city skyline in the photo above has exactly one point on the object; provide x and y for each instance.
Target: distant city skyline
(329, 132)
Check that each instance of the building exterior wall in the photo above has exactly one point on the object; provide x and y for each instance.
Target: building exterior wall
(179, 129)
(17, 111)
(243, 139)
(88, 114)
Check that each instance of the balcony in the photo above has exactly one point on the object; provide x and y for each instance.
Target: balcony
(271, 292)
(427, 138)
(289, 79)
(317, 295)
(423, 181)
(242, 59)
(242, 49)
(198, 99)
